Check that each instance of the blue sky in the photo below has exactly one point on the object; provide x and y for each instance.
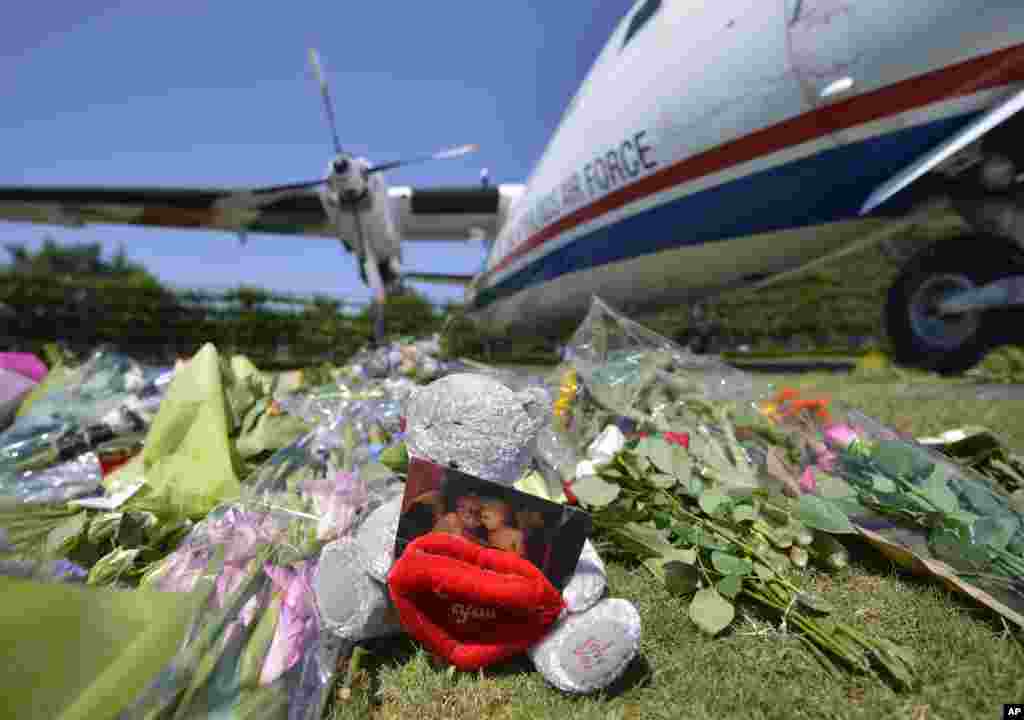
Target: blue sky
(196, 93)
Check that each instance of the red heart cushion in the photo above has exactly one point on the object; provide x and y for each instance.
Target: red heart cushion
(473, 606)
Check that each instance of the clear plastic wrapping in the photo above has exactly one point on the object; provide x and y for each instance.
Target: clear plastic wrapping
(919, 507)
(259, 640)
(93, 389)
(55, 484)
(902, 491)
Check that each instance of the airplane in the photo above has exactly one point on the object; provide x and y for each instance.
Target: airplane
(710, 146)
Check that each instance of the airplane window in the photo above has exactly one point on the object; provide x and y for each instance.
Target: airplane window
(640, 18)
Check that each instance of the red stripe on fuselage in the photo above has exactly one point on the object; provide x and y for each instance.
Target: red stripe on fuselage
(983, 73)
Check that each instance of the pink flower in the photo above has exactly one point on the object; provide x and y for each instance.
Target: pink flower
(296, 622)
(808, 484)
(840, 435)
(827, 460)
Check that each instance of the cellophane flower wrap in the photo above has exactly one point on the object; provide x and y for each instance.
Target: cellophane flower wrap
(620, 374)
(45, 456)
(917, 505)
(259, 648)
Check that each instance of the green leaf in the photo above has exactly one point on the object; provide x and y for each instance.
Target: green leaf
(661, 480)
(730, 586)
(744, 513)
(649, 538)
(657, 451)
(703, 538)
(820, 514)
(995, 531)
(680, 578)
(691, 484)
(936, 489)
(882, 483)
(63, 538)
(592, 491)
(829, 486)
(611, 472)
(730, 564)
(711, 501)
(710, 611)
(898, 459)
(396, 457)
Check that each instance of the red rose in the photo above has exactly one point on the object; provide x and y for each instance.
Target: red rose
(680, 439)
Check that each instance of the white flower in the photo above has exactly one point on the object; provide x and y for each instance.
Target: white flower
(585, 469)
(606, 445)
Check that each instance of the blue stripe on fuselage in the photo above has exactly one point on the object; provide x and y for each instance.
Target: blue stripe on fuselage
(823, 188)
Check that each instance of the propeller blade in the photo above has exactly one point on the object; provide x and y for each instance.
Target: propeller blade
(440, 155)
(325, 94)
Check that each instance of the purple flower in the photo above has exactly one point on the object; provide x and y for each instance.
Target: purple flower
(68, 571)
(296, 623)
(243, 533)
(337, 501)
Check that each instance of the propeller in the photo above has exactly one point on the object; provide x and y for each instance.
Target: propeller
(325, 94)
(341, 168)
(259, 196)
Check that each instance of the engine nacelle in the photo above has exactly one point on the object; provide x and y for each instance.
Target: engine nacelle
(347, 179)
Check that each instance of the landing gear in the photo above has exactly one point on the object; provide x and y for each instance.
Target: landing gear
(925, 338)
(377, 313)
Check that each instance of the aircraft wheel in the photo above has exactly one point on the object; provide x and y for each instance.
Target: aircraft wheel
(923, 338)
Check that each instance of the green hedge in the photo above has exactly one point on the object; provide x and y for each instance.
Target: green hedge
(152, 322)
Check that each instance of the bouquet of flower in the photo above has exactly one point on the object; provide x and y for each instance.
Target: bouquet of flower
(257, 648)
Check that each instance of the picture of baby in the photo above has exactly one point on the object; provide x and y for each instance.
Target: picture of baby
(496, 518)
(465, 521)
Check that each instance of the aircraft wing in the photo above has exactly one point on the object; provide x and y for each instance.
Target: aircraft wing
(194, 208)
(452, 213)
(439, 278)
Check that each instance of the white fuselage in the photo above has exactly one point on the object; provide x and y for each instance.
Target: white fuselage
(733, 139)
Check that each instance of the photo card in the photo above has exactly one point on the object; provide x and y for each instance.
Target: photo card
(441, 499)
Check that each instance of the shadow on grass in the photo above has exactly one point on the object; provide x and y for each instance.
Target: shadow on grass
(869, 558)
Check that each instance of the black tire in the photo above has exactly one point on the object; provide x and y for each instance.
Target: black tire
(955, 344)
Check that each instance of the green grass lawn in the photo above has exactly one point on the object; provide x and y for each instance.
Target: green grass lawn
(969, 663)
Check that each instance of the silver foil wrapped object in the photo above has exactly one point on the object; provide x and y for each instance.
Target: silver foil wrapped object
(588, 583)
(352, 605)
(588, 651)
(376, 539)
(475, 424)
